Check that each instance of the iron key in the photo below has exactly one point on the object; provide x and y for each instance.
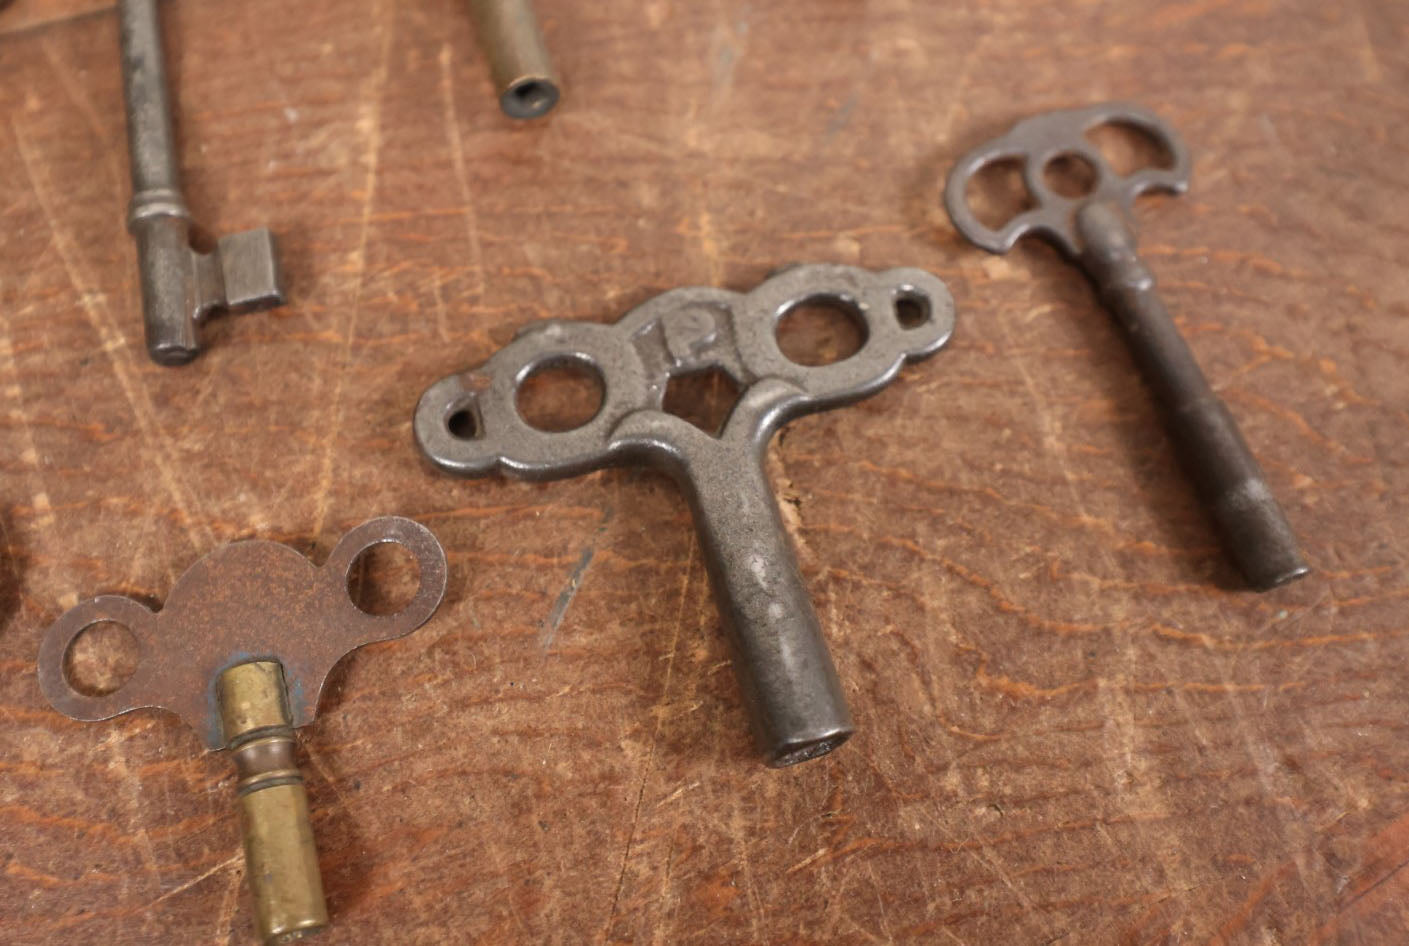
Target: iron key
(180, 286)
(1095, 231)
(468, 425)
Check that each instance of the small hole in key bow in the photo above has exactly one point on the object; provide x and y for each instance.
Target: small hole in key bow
(560, 395)
(1128, 148)
(462, 422)
(912, 309)
(101, 659)
(822, 330)
(383, 578)
(1070, 175)
(996, 193)
(704, 398)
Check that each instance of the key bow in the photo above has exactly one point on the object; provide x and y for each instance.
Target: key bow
(1039, 140)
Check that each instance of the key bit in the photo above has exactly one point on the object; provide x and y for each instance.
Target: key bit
(241, 651)
(180, 286)
(1095, 230)
(468, 424)
(518, 58)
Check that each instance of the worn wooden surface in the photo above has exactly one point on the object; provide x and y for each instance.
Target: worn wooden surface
(1074, 727)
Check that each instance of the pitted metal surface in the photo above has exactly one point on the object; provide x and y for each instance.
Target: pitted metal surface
(1096, 231)
(468, 424)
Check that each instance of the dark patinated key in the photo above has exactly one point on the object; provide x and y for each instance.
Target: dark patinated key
(1095, 230)
(181, 287)
(468, 424)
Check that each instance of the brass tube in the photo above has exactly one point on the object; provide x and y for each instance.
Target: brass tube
(518, 60)
(281, 862)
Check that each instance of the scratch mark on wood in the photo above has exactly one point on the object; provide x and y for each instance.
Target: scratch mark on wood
(659, 712)
(218, 868)
(574, 582)
(94, 305)
(457, 160)
(372, 123)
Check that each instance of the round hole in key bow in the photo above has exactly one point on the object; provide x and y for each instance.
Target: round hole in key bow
(822, 330)
(560, 394)
(912, 309)
(383, 578)
(1070, 175)
(997, 192)
(101, 658)
(462, 422)
(1128, 148)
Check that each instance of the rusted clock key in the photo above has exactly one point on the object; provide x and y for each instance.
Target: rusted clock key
(181, 287)
(1095, 231)
(468, 424)
(240, 651)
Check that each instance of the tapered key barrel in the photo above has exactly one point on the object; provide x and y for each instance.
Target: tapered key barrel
(784, 669)
(1226, 474)
(1093, 230)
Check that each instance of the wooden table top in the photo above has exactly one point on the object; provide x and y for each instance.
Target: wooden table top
(1074, 725)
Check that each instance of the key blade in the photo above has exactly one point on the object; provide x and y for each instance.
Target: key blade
(249, 264)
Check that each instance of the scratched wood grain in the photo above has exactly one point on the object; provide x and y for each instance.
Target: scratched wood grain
(1074, 727)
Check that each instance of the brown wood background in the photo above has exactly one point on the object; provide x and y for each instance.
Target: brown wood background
(1074, 727)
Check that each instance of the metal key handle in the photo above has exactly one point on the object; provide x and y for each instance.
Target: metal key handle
(240, 651)
(468, 425)
(180, 287)
(1095, 231)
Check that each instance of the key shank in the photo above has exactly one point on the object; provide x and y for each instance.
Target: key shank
(784, 669)
(1227, 476)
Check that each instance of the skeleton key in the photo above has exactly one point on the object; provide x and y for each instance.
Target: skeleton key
(180, 286)
(1096, 232)
(468, 425)
(241, 651)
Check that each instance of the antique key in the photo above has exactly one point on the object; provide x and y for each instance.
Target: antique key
(240, 651)
(1095, 231)
(468, 424)
(180, 286)
(518, 58)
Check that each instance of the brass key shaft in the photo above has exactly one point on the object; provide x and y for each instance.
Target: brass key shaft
(281, 862)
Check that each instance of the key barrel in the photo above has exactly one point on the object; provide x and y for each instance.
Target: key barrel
(280, 859)
(1226, 474)
(157, 217)
(518, 58)
(781, 660)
